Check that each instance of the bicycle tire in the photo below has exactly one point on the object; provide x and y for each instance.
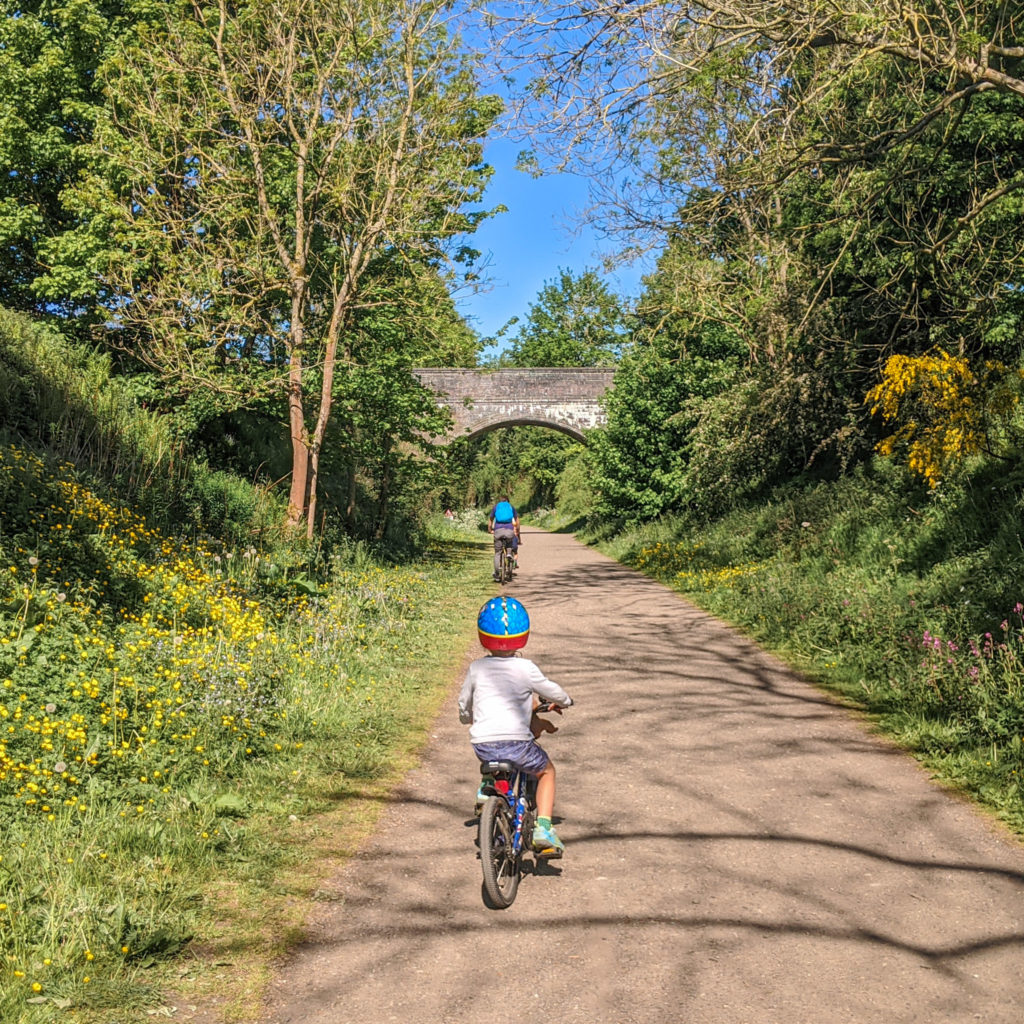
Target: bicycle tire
(506, 566)
(500, 862)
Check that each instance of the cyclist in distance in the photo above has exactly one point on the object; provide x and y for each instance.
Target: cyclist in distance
(497, 700)
(503, 523)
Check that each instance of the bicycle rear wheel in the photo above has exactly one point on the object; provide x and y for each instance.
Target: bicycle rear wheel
(506, 565)
(498, 857)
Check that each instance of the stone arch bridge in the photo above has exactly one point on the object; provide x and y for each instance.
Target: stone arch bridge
(565, 399)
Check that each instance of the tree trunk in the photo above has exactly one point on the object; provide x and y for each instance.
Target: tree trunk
(314, 473)
(298, 497)
(383, 506)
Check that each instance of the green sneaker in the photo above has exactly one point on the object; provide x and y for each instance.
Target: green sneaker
(546, 843)
(481, 796)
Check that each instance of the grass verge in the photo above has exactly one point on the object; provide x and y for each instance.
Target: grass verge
(905, 602)
(181, 727)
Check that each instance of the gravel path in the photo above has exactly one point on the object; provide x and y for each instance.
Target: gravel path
(738, 851)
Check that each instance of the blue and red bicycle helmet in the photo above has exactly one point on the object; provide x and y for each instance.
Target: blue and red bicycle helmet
(503, 624)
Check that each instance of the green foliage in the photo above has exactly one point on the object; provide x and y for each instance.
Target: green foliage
(574, 321)
(912, 258)
(767, 427)
(246, 247)
(575, 493)
(378, 447)
(640, 453)
(50, 97)
(408, 310)
(663, 389)
(858, 208)
(60, 396)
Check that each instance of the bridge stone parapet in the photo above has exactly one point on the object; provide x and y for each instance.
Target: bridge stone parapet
(566, 399)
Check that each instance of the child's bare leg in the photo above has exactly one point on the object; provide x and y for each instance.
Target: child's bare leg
(546, 791)
(545, 841)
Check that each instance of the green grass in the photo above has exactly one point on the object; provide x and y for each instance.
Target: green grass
(907, 603)
(181, 724)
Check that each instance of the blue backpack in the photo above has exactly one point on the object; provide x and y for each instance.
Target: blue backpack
(504, 512)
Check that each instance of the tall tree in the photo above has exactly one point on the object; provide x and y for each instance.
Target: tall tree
(574, 321)
(255, 162)
(602, 67)
(840, 180)
(50, 95)
(716, 106)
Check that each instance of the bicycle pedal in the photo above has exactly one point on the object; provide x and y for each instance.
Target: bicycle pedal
(548, 853)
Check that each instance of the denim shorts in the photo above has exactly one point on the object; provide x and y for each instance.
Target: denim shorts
(525, 754)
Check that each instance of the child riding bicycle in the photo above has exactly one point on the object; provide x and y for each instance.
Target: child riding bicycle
(497, 701)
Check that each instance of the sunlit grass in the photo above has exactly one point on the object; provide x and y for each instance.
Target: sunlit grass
(904, 602)
(157, 697)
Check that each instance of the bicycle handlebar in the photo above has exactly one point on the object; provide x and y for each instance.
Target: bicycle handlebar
(550, 705)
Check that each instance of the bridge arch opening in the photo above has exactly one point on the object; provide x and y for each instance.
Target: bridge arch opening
(501, 424)
(528, 461)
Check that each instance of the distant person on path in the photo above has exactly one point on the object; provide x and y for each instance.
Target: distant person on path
(503, 523)
(497, 701)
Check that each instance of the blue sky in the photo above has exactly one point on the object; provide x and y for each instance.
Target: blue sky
(526, 246)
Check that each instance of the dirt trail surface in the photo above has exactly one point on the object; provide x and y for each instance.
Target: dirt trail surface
(738, 851)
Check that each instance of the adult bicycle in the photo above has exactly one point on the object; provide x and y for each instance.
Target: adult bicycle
(506, 826)
(506, 561)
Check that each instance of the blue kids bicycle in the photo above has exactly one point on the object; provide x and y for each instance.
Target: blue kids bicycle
(506, 826)
(506, 823)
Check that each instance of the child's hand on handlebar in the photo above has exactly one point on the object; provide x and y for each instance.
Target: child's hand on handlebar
(542, 725)
(550, 705)
(539, 725)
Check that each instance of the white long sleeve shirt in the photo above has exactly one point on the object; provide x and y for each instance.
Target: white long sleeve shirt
(496, 699)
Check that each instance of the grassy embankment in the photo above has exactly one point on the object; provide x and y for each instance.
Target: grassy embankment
(906, 603)
(193, 732)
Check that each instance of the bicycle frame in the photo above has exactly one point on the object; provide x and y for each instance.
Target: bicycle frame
(505, 832)
(505, 560)
(518, 790)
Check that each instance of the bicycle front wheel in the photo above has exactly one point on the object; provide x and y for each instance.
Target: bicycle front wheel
(498, 856)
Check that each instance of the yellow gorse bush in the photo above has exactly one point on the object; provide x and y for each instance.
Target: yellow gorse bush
(948, 411)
